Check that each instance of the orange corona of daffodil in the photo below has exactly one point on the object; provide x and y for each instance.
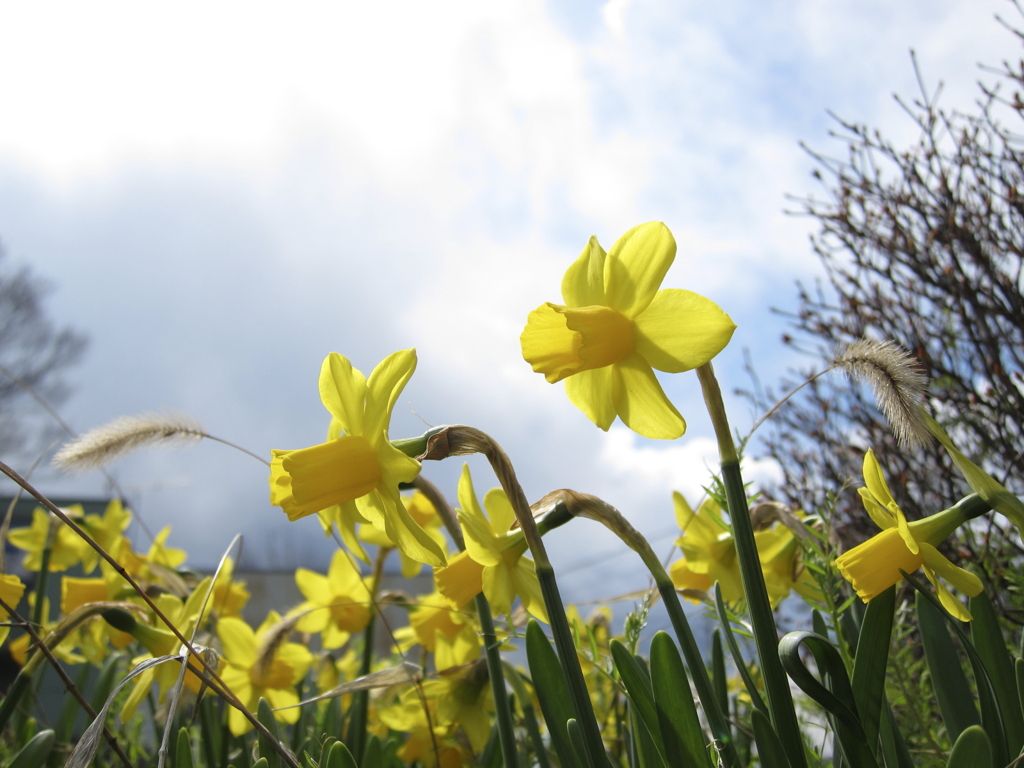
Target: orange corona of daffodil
(493, 561)
(616, 326)
(875, 565)
(357, 468)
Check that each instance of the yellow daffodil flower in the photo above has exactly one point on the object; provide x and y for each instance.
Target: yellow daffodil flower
(256, 667)
(68, 547)
(616, 326)
(434, 615)
(422, 511)
(709, 555)
(462, 692)
(357, 468)
(337, 604)
(709, 552)
(408, 716)
(107, 530)
(11, 590)
(493, 561)
(875, 565)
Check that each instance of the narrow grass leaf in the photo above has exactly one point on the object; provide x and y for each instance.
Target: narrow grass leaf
(85, 750)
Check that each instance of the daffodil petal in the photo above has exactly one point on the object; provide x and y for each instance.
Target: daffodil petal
(343, 574)
(467, 495)
(963, 581)
(498, 588)
(591, 392)
(342, 389)
(904, 529)
(684, 512)
(527, 586)
(283, 701)
(460, 581)
(875, 480)
(636, 265)
(681, 330)
(641, 403)
(237, 641)
(313, 586)
(583, 283)
(383, 388)
(479, 538)
(406, 533)
(499, 509)
(948, 600)
(879, 514)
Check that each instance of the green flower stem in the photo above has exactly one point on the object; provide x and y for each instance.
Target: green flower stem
(585, 717)
(42, 582)
(503, 712)
(355, 738)
(766, 636)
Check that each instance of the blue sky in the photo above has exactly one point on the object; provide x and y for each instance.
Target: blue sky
(223, 193)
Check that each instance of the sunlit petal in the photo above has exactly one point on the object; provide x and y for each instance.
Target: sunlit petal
(681, 330)
(641, 403)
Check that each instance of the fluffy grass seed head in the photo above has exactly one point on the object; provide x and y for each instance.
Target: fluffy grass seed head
(898, 383)
(122, 436)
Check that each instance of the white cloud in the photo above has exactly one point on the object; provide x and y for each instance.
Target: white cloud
(685, 466)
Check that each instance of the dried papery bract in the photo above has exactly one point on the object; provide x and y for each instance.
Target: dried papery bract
(124, 435)
(897, 381)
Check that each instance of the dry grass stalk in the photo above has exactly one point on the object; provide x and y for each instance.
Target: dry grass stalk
(897, 381)
(124, 435)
